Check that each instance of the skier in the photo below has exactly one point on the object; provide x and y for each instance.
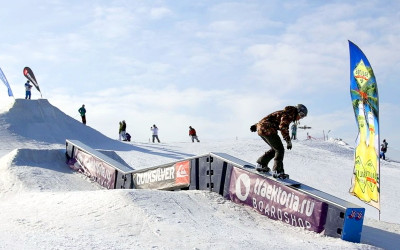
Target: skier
(383, 149)
(154, 130)
(28, 87)
(268, 128)
(82, 111)
(192, 133)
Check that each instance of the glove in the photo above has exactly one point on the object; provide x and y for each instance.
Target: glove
(253, 128)
(289, 145)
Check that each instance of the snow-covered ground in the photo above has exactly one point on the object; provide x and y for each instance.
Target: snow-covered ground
(45, 205)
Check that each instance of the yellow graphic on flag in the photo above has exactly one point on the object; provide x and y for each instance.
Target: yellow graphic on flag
(372, 161)
(360, 181)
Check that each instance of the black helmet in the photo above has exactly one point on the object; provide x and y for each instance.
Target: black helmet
(302, 110)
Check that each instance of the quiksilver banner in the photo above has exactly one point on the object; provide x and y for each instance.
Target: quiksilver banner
(365, 183)
(166, 177)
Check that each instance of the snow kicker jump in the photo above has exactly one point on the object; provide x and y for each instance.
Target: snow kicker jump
(292, 203)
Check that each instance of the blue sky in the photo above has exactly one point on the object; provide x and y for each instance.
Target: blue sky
(218, 66)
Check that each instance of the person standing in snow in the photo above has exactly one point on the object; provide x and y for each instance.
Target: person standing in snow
(294, 131)
(82, 112)
(192, 133)
(123, 130)
(120, 130)
(383, 149)
(28, 88)
(154, 130)
(268, 128)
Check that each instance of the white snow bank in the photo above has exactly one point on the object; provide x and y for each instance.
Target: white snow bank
(32, 170)
(6, 104)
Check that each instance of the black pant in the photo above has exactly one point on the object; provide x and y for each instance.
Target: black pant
(156, 137)
(277, 152)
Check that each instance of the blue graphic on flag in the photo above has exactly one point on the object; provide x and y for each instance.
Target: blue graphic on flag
(3, 77)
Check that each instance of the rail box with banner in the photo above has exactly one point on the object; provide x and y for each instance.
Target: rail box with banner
(97, 166)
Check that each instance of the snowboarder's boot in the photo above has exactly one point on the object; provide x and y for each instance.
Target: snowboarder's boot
(261, 168)
(281, 175)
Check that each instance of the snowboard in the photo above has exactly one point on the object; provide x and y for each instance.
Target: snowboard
(286, 181)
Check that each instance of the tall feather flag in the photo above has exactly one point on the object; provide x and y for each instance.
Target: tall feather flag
(28, 73)
(4, 79)
(365, 183)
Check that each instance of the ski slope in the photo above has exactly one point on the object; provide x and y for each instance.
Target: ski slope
(45, 205)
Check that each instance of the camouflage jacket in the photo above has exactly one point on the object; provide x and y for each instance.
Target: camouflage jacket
(279, 120)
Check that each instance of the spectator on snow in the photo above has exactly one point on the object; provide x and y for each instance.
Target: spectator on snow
(28, 88)
(123, 130)
(294, 131)
(192, 133)
(82, 111)
(154, 130)
(383, 149)
(268, 128)
(120, 130)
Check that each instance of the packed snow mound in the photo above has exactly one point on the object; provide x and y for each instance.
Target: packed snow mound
(41, 122)
(32, 170)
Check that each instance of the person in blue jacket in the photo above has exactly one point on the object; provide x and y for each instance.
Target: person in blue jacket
(28, 88)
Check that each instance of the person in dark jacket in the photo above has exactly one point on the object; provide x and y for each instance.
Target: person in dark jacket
(192, 133)
(123, 130)
(82, 111)
(294, 131)
(384, 146)
(268, 128)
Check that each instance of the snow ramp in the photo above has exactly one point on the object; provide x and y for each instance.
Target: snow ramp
(39, 122)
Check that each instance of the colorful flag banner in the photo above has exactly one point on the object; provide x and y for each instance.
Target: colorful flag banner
(28, 73)
(4, 79)
(365, 182)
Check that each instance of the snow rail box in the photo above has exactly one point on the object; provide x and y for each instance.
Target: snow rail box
(97, 166)
(237, 180)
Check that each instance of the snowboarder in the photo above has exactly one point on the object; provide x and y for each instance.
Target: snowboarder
(28, 88)
(154, 130)
(82, 111)
(128, 137)
(268, 128)
(294, 131)
(383, 149)
(192, 133)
